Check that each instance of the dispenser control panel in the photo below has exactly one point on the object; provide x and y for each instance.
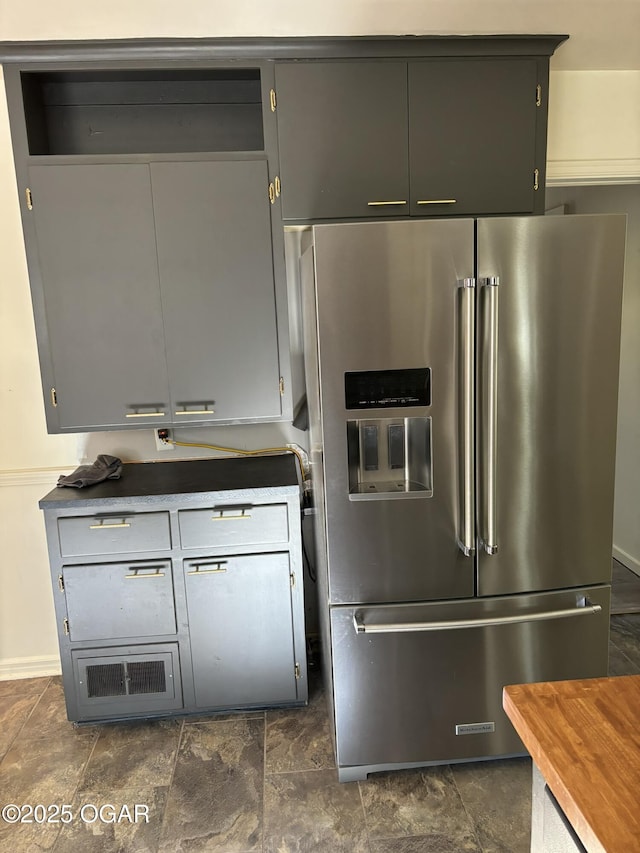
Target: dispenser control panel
(388, 389)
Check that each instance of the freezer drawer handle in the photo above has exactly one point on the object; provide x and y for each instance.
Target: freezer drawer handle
(442, 625)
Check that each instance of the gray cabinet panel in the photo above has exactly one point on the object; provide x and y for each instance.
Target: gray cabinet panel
(342, 129)
(240, 622)
(107, 533)
(231, 526)
(472, 135)
(217, 284)
(97, 259)
(113, 600)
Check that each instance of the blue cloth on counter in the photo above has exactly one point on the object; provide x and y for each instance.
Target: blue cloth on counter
(104, 468)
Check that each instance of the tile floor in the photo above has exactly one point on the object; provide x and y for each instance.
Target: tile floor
(263, 782)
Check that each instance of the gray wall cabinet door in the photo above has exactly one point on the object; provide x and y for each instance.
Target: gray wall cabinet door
(240, 628)
(342, 130)
(97, 258)
(472, 136)
(217, 282)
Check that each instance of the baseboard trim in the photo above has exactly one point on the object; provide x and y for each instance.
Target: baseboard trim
(31, 667)
(627, 560)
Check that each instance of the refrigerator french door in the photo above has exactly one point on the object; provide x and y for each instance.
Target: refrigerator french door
(462, 382)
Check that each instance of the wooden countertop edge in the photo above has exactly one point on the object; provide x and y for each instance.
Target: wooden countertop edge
(576, 818)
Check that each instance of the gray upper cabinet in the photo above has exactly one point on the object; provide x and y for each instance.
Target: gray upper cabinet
(426, 137)
(472, 136)
(342, 131)
(218, 297)
(102, 315)
(157, 272)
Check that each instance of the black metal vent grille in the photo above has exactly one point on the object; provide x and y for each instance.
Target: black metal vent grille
(106, 679)
(146, 677)
(126, 678)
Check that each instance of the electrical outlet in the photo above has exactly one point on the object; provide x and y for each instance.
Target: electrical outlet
(163, 439)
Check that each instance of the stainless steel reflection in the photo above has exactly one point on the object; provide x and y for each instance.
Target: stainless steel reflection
(386, 298)
(557, 386)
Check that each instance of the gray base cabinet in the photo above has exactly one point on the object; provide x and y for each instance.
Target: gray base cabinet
(179, 589)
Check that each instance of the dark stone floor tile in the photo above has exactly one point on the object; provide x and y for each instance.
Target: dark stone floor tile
(42, 772)
(625, 590)
(102, 823)
(620, 664)
(497, 797)
(221, 718)
(215, 799)
(299, 739)
(422, 802)
(49, 717)
(133, 756)
(28, 837)
(426, 844)
(24, 686)
(14, 711)
(311, 812)
(625, 635)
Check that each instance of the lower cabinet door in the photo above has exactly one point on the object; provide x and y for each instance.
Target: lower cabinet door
(240, 623)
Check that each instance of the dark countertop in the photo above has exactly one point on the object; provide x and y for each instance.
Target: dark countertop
(145, 479)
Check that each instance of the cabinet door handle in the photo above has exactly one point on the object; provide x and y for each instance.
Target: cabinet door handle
(219, 570)
(144, 415)
(136, 574)
(109, 526)
(383, 203)
(437, 201)
(242, 517)
(196, 412)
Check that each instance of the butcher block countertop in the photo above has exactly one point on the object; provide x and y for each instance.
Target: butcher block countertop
(584, 737)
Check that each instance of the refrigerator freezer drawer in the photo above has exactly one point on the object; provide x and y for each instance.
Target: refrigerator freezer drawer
(422, 683)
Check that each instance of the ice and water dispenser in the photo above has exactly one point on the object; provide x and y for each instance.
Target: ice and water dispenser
(388, 457)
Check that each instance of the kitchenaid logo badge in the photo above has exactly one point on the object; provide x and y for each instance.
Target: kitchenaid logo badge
(475, 728)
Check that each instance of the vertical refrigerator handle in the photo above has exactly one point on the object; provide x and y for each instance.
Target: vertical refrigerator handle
(488, 412)
(466, 396)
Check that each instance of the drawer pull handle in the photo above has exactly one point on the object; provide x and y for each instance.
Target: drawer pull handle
(383, 203)
(241, 517)
(109, 526)
(136, 574)
(196, 412)
(219, 570)
(438, 201)
(145, 415)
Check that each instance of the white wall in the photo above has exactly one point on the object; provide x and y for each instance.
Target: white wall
(603, 39)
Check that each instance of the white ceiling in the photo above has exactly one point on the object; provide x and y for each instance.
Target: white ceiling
(604, 34)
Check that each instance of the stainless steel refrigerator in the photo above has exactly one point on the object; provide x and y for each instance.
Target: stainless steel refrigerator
(462, 378)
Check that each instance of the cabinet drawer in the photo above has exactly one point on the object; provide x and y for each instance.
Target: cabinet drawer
(106, 601)
(221, 526)
(115, 533)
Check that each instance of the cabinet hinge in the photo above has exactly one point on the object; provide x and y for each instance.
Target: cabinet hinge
(272, 100)
(296, 670)
(538, 95)
(60, 583)
(536, 179)
(54, 397)
(65, 627)
(276, 184)
(272, 193)
(281, 384)
(27, 193)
